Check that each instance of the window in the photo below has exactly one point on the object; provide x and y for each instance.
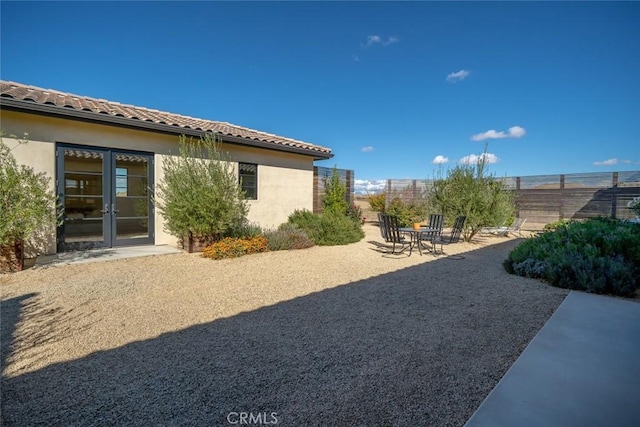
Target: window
(249, 180)
(121, 182)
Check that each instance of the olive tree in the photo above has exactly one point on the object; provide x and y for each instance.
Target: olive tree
(27, 204)
(468, 190)
(200, 196)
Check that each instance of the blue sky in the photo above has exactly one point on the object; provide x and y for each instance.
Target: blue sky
(396, 89)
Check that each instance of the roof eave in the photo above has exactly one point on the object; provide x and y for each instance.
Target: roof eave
(89, 116)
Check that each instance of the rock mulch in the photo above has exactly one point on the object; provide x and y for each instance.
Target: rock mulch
(327, 336)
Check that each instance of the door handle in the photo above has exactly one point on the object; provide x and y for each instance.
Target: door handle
(113, 208)
(106, 209)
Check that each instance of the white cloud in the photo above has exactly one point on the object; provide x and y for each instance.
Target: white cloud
(391, 40)
(457, 76)
(375, 39)
(439, 159)
(608, 162)
(364, 186)
(473, 159)
(371, 40)
(367, 149)
(514, 132)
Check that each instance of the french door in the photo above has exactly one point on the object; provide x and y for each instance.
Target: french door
(105, 196)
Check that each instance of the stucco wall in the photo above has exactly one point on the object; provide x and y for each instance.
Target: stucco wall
(285, 180)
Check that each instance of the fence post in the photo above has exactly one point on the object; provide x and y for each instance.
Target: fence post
(614, 195)
(414, 190)
(349, 187)
(561, 204)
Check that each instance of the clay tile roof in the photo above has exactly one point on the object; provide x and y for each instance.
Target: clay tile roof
(32, 94)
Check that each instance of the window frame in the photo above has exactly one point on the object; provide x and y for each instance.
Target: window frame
(254, 187)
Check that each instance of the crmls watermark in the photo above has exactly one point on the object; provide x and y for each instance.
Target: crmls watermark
(251, 418)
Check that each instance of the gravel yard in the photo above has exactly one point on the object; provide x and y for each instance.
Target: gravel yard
(327, 336)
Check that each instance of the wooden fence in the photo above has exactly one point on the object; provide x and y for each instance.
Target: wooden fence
(546, 198)
(320, 175)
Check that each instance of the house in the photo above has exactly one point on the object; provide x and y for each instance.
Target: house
(102, 156)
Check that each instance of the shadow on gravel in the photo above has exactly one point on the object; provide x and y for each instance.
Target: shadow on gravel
(419, 346)
(10, 311)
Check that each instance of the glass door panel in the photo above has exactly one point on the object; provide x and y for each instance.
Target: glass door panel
(83, 181)
(132, 198)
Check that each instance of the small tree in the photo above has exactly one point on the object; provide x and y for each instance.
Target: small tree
(378, 202)
(200, 196)
(335, 192)
(468, 191)
(26, 203)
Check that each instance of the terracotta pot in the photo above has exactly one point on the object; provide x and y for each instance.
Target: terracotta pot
(416, 226)
(193, 243)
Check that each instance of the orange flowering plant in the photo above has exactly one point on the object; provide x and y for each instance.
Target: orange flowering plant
(232, 247)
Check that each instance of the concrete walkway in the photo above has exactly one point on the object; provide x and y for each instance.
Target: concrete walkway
(105, 254)
(582, 369)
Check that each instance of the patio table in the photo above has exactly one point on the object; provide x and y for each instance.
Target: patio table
(415, 237)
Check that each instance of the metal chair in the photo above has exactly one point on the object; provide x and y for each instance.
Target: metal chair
(384, 227)
(436, 223)
(390, 231)
(453, 237)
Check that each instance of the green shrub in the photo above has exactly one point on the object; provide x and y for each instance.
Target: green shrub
(287, 237)
(26, 202)
(599, 255)
(231, 247)
(199, 195)
(335, 192)
(555, 225)
(355, 213)
(328, 229)
(245, 230)
(378, 202)
(407, 213)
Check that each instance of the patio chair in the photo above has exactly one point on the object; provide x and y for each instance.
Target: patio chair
(390, 230)
(384, 227)
(453, 237)
(516, 227)
(436, 222)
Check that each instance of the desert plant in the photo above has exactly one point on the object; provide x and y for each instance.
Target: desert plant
(407, 213)
(355, 213)
(199, 195)
(287, 237)
(378, 202)
(26, 202)
(600, 255)
(468, 190)
(327, 229)
(552, 226)
(244, 230)
(335, 192)
(231, 247)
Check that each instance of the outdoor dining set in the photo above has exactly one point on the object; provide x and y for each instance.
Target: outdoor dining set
(427, 236)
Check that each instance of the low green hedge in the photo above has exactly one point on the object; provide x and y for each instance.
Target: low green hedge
(600, 255)
(329, 228)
